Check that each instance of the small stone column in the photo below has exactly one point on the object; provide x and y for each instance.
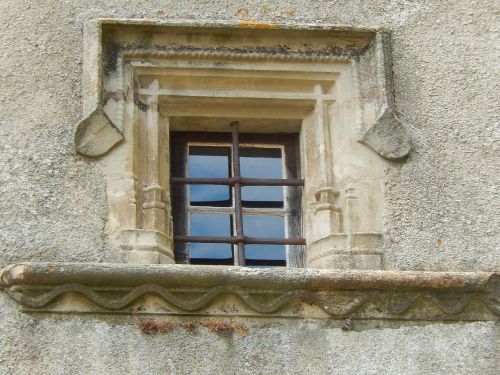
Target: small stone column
(152, 241)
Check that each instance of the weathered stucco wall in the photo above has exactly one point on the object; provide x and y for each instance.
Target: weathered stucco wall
(89, 345)
(441, 211)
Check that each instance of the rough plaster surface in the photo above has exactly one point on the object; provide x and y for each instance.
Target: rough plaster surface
(441, 211)
(82, 345)
(440, 204)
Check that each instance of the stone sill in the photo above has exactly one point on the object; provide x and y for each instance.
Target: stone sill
(237, 291)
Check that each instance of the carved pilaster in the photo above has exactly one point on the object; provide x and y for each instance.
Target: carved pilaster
(152, 241)
(354, 248)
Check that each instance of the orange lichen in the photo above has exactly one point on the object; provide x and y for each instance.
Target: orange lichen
(242, 12)
(289, 13)
(254, 24)
(266, 10)
(241, 329)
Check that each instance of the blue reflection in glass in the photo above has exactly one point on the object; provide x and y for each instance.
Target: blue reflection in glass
(265, 252)
(252, 195)
(261, 162)
(264, 226)
(203, 195)
(210, 251)
(210, 225)
(208, 162)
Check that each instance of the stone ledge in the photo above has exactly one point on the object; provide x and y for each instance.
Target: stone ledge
(236, 291)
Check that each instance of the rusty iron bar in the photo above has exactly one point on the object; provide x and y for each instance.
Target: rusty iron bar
(242, 181)
(238, 210)
(241, 239)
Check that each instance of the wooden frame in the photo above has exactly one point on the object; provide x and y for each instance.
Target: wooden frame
(291, 210)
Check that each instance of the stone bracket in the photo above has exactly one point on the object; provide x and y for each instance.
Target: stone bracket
(386, 135)
(295, 293)
(96, 134)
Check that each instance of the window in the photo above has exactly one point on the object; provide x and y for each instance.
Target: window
(330, 86)
(236, 198)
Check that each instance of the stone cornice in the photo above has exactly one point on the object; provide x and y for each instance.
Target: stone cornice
(209, 290)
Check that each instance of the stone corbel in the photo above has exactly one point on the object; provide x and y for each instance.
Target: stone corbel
(96, 133)
(381, 129)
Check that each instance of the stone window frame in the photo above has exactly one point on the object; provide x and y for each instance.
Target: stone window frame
(127, 116)
(214, 292)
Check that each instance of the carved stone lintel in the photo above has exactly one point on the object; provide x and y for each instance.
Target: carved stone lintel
(95, 135)
(291, 293)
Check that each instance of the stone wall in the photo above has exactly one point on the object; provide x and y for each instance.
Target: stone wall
(440, 204)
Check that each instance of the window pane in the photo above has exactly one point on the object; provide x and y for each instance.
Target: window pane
(262, 196)
(264, 226)
(210, 225)
(260, 162)
(208, 162)
(211, 253)
(210, 195)
(265, 255)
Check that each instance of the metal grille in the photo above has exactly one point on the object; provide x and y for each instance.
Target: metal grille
(237, 182)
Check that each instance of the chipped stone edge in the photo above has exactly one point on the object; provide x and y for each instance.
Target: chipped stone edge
(405, 295)
(96, 134)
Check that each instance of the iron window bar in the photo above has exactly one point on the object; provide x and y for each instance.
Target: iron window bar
(231, 181)
(237, 182)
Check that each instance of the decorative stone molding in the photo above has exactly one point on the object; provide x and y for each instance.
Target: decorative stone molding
(386, 135)
(211, 290)
(331, 84)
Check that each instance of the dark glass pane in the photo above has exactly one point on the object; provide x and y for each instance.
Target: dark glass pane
(264, 226)
(210, 225)
(211, 253)
(265, 255)
(262, 196)
(261, 162)
(208, 162)
(210, 195)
